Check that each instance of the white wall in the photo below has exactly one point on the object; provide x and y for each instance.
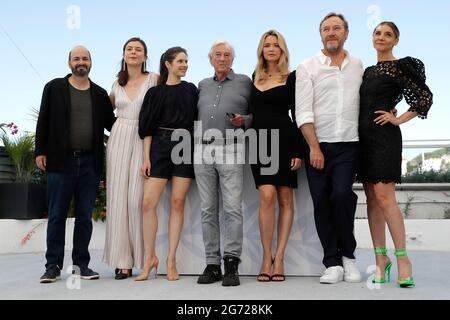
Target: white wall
(303, 255)
(424, 204)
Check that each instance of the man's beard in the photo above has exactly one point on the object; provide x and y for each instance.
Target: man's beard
(333, 47)
(77, 71)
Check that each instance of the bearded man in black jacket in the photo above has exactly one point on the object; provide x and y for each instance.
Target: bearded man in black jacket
(69, 147)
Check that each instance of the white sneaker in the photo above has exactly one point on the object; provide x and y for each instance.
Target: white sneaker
(332, 275)
(351, 271)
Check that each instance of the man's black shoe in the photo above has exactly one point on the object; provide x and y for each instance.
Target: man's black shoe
(88, 274)
(231, 277)
(212, 273)
(51, 275)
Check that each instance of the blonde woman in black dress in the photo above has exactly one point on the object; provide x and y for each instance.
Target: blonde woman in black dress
(272, 97)
(383, 87)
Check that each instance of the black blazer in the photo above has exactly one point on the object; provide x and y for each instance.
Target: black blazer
(53, 126)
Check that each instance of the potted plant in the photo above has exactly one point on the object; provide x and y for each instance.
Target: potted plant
(99, 212)
(24, 198)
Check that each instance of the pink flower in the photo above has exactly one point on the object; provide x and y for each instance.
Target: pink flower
(14, 128)
(27, 237)
(30, 233)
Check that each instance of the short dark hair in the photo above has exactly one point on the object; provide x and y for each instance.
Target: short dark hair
(331, 15)
(392, 25)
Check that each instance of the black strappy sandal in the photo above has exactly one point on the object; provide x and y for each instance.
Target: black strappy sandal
(282, 276)
(264, 277)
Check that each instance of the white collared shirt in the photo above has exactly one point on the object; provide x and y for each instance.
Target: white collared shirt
(328, 97)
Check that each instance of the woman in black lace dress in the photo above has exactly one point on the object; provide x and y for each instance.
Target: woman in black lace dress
(382, 89)
(272, 96)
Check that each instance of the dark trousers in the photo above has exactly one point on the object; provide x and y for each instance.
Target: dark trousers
(334, 200)
(80, 182)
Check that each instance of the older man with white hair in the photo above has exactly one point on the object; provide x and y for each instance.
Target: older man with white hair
(223, 107)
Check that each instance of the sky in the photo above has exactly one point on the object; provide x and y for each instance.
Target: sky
(36, 36)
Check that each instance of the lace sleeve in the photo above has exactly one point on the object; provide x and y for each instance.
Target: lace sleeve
(411, 77)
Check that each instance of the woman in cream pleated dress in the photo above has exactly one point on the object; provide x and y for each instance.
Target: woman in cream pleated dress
(124, 247)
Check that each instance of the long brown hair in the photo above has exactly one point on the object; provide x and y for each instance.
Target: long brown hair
(123, 73)
(168, 56)
(283, 64)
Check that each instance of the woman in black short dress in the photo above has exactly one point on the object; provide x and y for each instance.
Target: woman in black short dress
(170, 107)
(383, 87)
(272, 97)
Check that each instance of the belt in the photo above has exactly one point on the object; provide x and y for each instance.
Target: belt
(79, 153)
(220, 141)
(166, 131)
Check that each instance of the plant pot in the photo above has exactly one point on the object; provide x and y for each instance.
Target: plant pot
(22, 201)
(7, 171)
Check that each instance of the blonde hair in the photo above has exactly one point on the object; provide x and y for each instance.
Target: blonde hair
(261, 75)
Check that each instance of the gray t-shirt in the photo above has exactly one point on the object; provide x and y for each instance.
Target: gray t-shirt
(80, 119)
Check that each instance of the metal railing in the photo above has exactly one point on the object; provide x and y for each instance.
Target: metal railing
(426, 143)
(423, 146)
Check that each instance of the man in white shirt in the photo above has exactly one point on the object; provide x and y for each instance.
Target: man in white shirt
(327, 110)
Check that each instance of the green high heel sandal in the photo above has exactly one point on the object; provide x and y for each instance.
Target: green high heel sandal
(404, 282)
(382, 252)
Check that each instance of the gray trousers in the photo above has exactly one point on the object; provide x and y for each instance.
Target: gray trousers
(230, 179)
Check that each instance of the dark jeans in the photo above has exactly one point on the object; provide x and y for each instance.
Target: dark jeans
(80, 182)
(334, 200)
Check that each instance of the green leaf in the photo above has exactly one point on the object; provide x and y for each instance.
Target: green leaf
(21, 151)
